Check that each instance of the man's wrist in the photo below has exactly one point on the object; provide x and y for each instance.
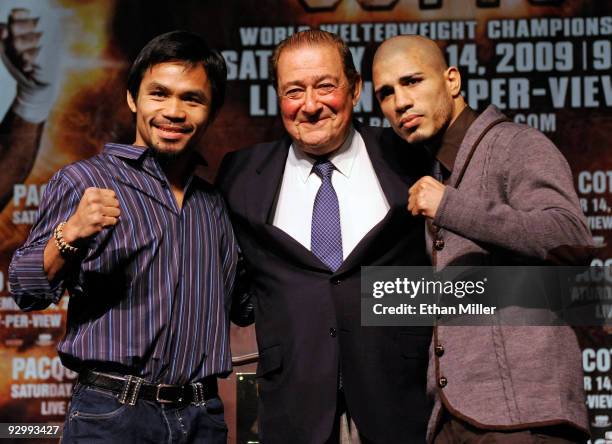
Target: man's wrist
(70, 233)
(65, 246)
(34, 99)
(32, 105)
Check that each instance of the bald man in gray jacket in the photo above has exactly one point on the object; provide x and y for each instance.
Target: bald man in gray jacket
(503, 195)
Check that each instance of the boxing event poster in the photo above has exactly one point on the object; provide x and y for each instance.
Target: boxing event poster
(545, 63)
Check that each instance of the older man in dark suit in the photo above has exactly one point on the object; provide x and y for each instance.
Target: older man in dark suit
(309, 210)
(504, 196)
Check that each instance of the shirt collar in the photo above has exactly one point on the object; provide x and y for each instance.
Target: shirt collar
(446, 152)
(343, 158)
(132, 152)
(139, 153)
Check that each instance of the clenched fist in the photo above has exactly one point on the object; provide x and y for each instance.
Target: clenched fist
(20, 53)
(97, 210)
(424, 197)
(21, 41)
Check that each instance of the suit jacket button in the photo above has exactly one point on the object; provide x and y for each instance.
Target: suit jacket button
(332, 332)
(442, 382)
(439, 349)
(439, 244)
(336, 281)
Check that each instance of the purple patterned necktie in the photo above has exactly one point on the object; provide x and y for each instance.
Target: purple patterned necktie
(326, 236)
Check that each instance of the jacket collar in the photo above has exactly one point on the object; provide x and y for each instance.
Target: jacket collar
(488, 116)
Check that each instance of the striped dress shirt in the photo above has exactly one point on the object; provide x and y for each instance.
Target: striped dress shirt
(152, 293)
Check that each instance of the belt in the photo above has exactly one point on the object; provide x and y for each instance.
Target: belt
(131, 388)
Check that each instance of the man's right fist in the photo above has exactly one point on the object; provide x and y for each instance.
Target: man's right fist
(97, 210)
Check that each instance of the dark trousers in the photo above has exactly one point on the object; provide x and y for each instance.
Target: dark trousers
(96, 416)
(456, 431)
(344, 430)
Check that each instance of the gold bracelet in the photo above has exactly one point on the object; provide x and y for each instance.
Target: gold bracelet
(64, 247)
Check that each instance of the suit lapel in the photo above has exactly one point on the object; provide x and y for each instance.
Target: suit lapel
(266, 182)
(394, 189)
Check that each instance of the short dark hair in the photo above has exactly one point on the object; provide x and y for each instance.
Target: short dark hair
(186, 47)
(315, 37)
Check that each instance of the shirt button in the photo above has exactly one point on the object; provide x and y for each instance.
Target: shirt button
(332, 332)
(439, 244)
(442, 382)
(164, 185)
(439, 350)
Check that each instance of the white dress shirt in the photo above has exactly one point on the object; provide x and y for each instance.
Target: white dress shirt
(360, 197)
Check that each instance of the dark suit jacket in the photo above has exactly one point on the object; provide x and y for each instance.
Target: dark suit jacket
(308, 319)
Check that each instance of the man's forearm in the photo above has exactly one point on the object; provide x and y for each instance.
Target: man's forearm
(19, 142)
(54, 262)
(531, 233)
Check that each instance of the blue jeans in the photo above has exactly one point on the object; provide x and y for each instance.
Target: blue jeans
(96, 416)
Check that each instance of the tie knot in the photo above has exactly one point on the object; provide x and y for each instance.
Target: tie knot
(323, 169)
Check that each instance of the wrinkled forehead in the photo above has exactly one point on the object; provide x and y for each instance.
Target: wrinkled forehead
(321, 56)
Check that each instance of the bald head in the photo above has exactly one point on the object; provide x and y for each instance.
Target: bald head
(423, 48)
(417, 91)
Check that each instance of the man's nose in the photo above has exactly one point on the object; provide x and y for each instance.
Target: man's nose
(311, 101)
(173, 109)
(403, 100)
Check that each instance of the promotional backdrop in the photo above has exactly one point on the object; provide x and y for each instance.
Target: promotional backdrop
(544, 63)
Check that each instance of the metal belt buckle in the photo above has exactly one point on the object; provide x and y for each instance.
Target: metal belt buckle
(198, 394)
(125, 393)
(165, 401)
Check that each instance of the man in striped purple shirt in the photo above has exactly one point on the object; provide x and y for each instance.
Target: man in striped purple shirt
(146, 251)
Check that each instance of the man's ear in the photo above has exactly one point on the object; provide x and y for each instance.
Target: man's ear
(130, 102)
(453, 81)
(357, 90)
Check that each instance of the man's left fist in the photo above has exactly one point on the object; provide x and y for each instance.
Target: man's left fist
(424, 197)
